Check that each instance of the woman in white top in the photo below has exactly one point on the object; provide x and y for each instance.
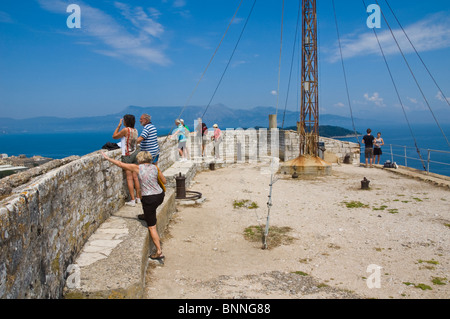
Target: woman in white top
(377, 152)
(152, 193)
(128, 143)
(217, 138)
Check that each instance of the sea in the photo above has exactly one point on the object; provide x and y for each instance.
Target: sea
(430, 140)
(426, 136)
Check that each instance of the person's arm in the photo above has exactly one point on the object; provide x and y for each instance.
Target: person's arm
(117, 134)
(129, 167)
(144, 135)
(175, 133)
(382, 142)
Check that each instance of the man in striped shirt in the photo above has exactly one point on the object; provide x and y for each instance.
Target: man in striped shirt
(149, 137)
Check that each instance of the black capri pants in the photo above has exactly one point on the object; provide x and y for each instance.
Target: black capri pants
(149, 204)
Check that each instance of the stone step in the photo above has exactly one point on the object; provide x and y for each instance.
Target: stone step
(187, 169)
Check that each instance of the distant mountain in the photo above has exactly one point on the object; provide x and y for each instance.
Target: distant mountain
(163, 118)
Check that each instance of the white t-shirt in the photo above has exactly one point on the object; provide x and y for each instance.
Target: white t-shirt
(148, 178)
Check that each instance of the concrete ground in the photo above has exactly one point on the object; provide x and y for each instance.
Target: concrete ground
(391, 241)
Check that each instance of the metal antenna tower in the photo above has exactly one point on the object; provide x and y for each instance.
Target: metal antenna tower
(309, 113)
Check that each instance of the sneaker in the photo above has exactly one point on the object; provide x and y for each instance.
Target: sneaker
(138, 200)
(131, 203)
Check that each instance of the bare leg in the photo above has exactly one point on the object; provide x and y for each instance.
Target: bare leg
(130, 184)
(155, 237)
(137, 186)
(187, 155)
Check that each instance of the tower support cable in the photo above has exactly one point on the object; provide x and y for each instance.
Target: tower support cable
(414, 77)
(418, 55)
(345, 74)
(398, 94)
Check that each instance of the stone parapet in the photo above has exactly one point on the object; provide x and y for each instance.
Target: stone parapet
(46, 221)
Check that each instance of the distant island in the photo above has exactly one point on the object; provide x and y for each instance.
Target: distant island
(331, 131)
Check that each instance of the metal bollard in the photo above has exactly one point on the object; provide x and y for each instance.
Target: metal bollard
(181, 186)
(365, 183)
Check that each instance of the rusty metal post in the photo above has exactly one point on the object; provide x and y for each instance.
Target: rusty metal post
(181, 186)
(365, 183)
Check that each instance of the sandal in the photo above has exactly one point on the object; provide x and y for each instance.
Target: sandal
(156, 256)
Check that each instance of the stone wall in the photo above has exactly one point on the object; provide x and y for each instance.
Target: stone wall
(335, 151)
(257, 145)
(48, 213)
(45, 223)
(341, 151)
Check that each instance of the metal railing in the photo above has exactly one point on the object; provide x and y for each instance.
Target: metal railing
(426, 158)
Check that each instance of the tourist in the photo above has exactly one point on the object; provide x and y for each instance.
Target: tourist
(377, 152)
(368, 140)
(188, 139)
(198, 137)
(128, 143)
(152, 193)
(180, 134)
(204, 137)
(217, 138)
(149, 138)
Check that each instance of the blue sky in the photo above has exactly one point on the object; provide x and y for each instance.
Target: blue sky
(153, 53)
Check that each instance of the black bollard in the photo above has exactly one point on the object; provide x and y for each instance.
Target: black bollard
(181, 186)
(365, 183)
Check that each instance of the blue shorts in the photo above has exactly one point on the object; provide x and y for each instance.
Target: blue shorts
(155, 159)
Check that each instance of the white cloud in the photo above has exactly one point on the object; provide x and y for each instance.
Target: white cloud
(237, 63)
(441, 97)
(412, 100)
(179, 8)
(134, 42)
(139, 18)
(375, 98)
(340, 104)
(179, 3)
(154, 13)
(273, 92)
(429, 34)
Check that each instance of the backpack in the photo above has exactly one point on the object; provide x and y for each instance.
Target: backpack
(110, 146)
(389, 164)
